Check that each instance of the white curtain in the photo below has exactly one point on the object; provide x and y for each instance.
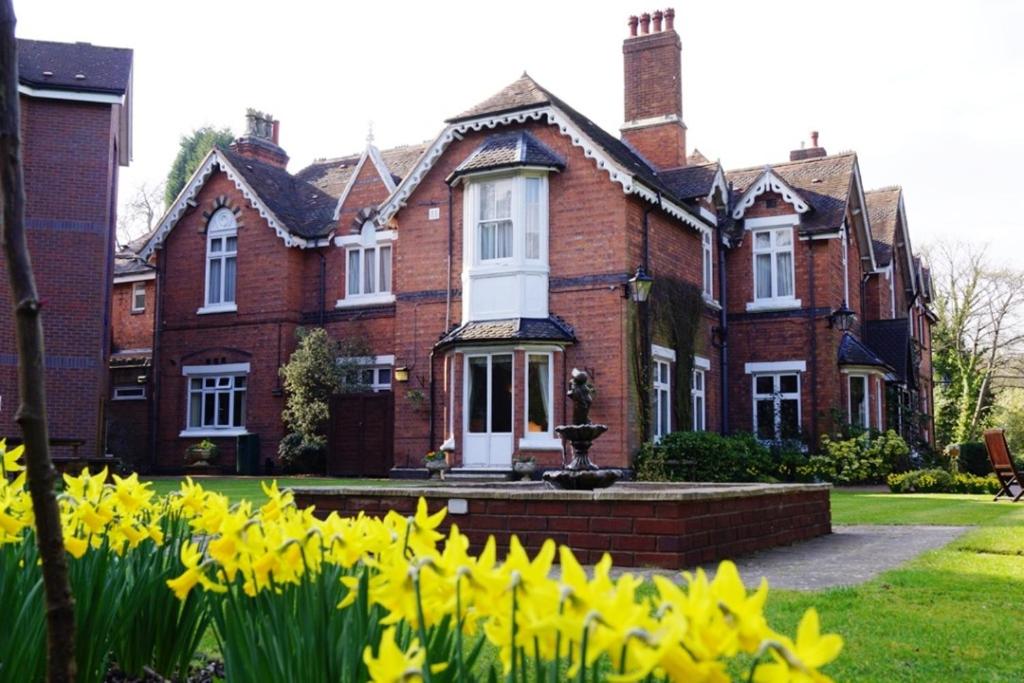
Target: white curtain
(369, 271)
(213, 285)
(764, 276)
(385, 269)
(533, 218)
(353, 271)
(229, 279)
(784, 263)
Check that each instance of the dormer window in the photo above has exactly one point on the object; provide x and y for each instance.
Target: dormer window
(221, 262)
(367, 266)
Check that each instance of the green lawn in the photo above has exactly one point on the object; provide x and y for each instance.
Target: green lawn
(946, 616)
(238, 488)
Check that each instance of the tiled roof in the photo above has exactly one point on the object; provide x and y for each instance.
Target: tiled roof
(508, 150)
(551, 328)
(891, 340)
(853, 351)
(304, 208)
(127, 260)
(823, 182)
(79, 67)
(526, 93)
(691, 182)
(332, 175)
(883, 206)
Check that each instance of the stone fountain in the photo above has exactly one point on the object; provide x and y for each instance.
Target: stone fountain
(581, 474)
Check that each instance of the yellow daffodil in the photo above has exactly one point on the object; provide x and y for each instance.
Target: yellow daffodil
(392, 665)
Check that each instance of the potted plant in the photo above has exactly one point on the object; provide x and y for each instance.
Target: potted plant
(524, 466)
(436, 462)
(202, 454)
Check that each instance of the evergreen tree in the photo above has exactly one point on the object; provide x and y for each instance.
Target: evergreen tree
(193, 149)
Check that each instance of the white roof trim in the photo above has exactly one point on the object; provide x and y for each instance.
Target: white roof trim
(865, 221)
(718, 184)
(187, 196)
(73, 95)
(906, 245)
(373, 154)
(553, 116)
(769, 181)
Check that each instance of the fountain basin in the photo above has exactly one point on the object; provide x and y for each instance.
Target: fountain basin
(673, 526)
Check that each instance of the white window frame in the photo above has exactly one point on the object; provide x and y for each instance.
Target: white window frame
(221, 226)
(866, 405)
(368, 240)
(777, 396)
(699, 419)
(233, 370)
(773, 225)
(708, 264)
(138, 288)
(539, 440)
(661, 356)
(129, 392)
(375, 364)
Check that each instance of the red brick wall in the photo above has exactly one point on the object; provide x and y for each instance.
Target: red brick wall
(653, 88)
(132, 329)
(70, 164)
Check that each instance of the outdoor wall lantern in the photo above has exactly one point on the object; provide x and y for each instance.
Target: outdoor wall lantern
(402, 374)
(638, 287)
(843, 317)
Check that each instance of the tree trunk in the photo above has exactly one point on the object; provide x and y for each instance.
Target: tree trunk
(31, 415)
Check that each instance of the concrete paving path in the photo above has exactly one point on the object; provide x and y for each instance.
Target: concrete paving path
(850, 555)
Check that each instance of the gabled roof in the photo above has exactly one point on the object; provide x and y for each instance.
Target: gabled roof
(853, 351)
(509, 150)
(127, 262)
(769, 181)
(890, 339)
(823, 182)
(550, 329)
(883, 210)
(524, 100)
(75, 67)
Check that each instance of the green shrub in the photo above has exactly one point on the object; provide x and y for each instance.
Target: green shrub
(704, 456)
(299, 455)
(941, 481)
(974, 458)
(864, 459)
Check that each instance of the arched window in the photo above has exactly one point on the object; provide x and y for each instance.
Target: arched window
(221, 256)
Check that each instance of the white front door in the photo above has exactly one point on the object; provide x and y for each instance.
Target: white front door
(487, 428)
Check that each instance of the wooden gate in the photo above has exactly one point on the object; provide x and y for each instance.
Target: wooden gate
(361, 438)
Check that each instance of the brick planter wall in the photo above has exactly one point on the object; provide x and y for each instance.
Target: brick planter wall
(639, 524)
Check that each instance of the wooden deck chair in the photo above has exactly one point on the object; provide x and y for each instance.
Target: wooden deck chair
(1002, 463)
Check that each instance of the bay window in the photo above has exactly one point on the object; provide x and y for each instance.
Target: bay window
(538, 396)
(221, 262)
(858, 401)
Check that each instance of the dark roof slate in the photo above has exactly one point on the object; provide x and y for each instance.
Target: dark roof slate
(551, 328)
(823, 182)
(691, 182)
(102, 69)
(891, 340)
(853, 351)
(509, 150)
(332, 175)
(883, 207)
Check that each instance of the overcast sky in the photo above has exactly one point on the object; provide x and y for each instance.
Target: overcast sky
(930, 95)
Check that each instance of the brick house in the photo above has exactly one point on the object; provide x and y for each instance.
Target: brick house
(76, 130)
(484, 265)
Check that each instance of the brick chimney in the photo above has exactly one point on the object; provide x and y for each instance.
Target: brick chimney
(812, 152)
(654, 91)
(260, 141)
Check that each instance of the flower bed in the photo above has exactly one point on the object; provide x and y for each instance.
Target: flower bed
(293, 598)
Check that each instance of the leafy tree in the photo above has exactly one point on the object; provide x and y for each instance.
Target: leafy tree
(320, 368)
(191, 153)
(1008, 413)
(979, 335)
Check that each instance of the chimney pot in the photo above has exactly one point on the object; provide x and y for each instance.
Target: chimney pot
(814, 138)
(670, 19)
(657, 21)
(645, 23)
(275, 135)
(633, 21)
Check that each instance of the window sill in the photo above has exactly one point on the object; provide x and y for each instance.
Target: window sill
(711, 303)
(128, 398)
(540, 444)
(217, 308)
(138, 311)
(212, 433)
(370, 300)
(773, 305)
